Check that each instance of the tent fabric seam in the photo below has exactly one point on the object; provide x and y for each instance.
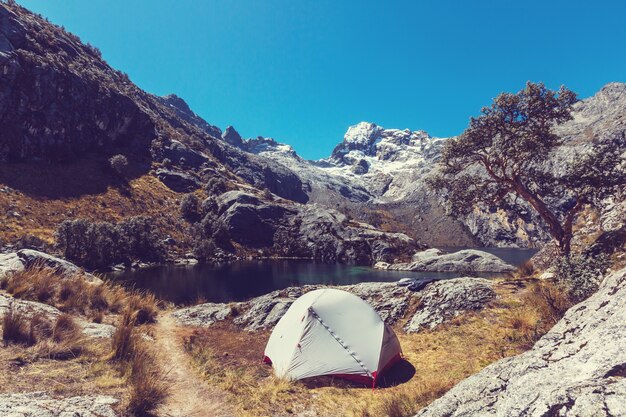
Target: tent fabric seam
(348, 350)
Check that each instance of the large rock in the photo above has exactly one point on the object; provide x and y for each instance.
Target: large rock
(467, 260)
(180, 154)
(29, 309)
(443, 300)
(29, 258)
(178, 181)
(577, 369)
(10, 263)
(263, 312)
(40, 404)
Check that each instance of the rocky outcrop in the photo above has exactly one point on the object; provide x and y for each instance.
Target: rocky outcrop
(306, 231)
(30, 309)
(262, 313)
(232, 137)
(29, 258)
(10, 263)
(178, 181)
(577, 369)
(466, 261)
(40, 404)
(443, 300)
(438, 302)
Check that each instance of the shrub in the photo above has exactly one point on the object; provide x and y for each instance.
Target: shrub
(209, 205)
(215, 186)
(119, 164)
(123, 341)
(204, 250)
(189, 207)
(65, 329)
(142, 308)
(580, 275)
(101, 244)
(14, 328)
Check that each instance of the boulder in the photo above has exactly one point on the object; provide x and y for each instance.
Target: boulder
(177, 151)
(178, 181)
(10, 263)
(203, 314)
(31, 257)
(40, 404)
(467, 260)
(29, 309)
(445, 299)
(577, 369)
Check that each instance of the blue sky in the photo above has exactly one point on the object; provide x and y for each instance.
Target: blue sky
(303, 71)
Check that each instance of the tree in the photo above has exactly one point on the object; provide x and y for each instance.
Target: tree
(508, 153)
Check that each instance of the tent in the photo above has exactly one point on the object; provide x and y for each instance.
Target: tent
(332, 332)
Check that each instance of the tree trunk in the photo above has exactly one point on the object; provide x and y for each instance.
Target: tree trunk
(558, 233)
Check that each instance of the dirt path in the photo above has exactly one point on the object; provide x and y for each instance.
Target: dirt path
(190, 396)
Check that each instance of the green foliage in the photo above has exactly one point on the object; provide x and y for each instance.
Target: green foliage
(101, 244)
(580, 275)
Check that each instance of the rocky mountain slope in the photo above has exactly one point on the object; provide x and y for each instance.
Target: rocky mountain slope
(378, 174)
(61, 104)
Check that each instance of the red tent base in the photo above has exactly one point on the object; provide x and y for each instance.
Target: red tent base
(359, 379)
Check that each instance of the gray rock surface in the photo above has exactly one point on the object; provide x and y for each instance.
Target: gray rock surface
(32, 308)
(30, 258)
(178, 181)
(445, 299)
(263, 312)
(40, 404)
(305, 231)
(467, 260)
(10, 263)
(577, 369)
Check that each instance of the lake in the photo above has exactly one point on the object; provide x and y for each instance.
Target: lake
(242, 280)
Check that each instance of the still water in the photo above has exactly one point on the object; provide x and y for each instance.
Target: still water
(246, 279)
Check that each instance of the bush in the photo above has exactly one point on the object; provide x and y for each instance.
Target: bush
(123, 341)
(119, 164)
(189, 207)
(101, 244)
(580, 275)
(14, 328)
(215, 186)
(204, 250)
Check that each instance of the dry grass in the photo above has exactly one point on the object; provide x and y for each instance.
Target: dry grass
(46, 195)
(14, 328)
(147, 388)
(74, 294)
(231, 360)
(123, 340)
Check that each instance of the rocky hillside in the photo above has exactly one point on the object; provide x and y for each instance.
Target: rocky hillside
(62, 104)
(576, 369)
